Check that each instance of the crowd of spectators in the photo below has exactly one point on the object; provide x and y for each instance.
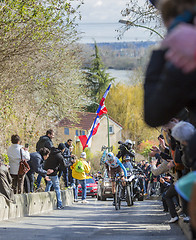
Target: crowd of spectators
(169, 91)
(48, 163)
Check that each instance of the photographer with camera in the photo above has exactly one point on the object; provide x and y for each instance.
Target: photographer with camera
(126, 149)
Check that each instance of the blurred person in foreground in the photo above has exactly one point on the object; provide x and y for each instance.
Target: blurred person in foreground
(181, 50)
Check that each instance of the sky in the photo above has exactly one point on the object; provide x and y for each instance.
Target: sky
(100, 20)
(95, 11)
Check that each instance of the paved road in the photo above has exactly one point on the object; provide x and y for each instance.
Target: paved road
(96, 220)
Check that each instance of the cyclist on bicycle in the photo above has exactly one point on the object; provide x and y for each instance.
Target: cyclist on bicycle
(126, 149)
(114, 166)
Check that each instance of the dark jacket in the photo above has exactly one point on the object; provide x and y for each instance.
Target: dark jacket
(167, 90)
(67, 156)
(44, 141)
(36, 164)
(125, 151)
(55, 161)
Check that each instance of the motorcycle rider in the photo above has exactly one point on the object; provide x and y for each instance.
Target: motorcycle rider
(114, 166)
(126, 149)
(127, 163)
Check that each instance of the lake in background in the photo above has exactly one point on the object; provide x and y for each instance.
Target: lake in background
(123, 76)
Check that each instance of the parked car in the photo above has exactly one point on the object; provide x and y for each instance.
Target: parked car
(91, 187)
(104, 190)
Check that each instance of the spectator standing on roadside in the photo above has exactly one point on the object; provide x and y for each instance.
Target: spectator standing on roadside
(44, 141)
(69, 145)
(68, 158)
(36, 165)
(79, 170)
(181, 44)
(14, 155)
(54, 162)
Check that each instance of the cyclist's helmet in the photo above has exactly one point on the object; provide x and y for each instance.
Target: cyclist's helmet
(110, 156)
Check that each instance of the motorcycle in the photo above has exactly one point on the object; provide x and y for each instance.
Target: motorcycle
(136, 179)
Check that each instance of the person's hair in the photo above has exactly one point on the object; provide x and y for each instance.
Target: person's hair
(15, 139)
(61, 146)
(44, 151)
(183, 131)
(49, 131)
(69, 140)
(172, 8)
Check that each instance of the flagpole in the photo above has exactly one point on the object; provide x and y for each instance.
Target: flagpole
(108, 132)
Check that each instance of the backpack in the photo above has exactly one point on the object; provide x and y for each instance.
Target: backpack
(79, 167)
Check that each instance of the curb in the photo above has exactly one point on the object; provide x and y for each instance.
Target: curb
(32, 203)
(185, 227)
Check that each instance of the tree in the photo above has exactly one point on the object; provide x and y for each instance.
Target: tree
(141, 14)
(97, 80)
(39, 66)
(125, 105)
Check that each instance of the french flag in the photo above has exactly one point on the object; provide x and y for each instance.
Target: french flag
(101, 104)
(103, 110)
(86, 140)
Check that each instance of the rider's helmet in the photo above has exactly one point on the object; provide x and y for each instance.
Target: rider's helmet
(129, 143)
(110, 156)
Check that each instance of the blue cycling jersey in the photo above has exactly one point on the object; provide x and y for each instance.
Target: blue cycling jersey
(115, 164)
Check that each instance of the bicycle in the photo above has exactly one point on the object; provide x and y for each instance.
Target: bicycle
(128, 188)
(119, 190)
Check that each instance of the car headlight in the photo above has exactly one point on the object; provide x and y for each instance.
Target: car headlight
(106, 184)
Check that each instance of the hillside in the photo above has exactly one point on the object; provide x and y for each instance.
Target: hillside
(120, 55)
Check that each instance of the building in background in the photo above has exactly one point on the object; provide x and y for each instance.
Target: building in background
(81, 126)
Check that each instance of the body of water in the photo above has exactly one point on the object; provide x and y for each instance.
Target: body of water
(121, 76)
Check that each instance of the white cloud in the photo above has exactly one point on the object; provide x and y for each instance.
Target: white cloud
(98, 4)
(102, 10)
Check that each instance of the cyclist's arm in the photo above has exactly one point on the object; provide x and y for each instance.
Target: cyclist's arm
(108, 169)
(123, 168)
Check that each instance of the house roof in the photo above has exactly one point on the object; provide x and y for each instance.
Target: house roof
(84, 121)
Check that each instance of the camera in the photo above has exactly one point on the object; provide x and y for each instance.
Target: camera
(26, 145)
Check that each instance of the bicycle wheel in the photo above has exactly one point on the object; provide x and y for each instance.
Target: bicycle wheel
(129, 197)
(118, 197)
(132, 192)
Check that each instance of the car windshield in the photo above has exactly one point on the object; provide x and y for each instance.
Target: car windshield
(90, 180)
